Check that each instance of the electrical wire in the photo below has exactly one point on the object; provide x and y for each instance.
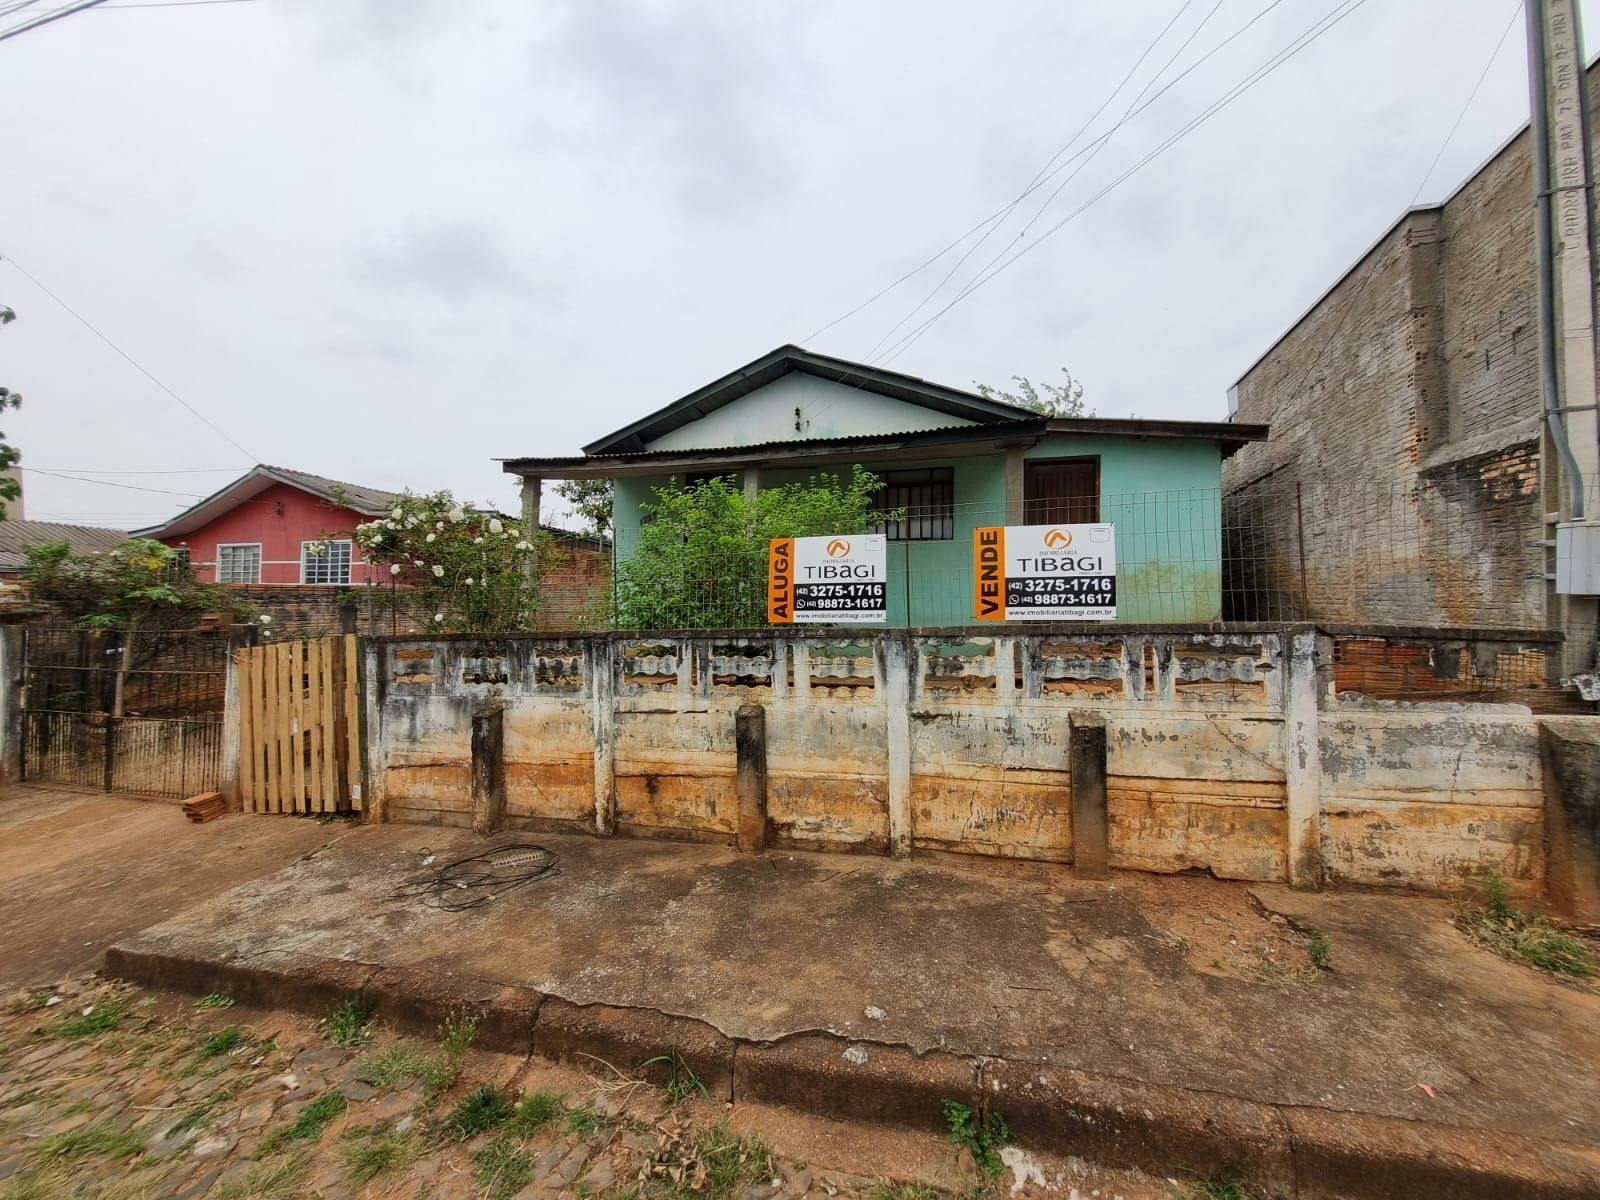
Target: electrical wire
(475, 880)
(185, 471)
(111, 483)
(1316, 31)
(133, 362)
(1471, 96)
(55, 14)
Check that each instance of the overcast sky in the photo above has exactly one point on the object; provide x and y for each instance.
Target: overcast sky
(392, 240)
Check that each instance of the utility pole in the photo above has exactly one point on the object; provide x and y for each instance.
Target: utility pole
(1565, 250)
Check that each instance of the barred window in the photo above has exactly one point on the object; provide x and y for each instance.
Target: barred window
(325, 562)
(239, 562)
(928, 500)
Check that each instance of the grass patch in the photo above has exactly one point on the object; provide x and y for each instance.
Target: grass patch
(479, 1110)
(98, 1140)
(202, 1114)
(1212, 1189)
(100, 1018)
(456, 1036)
(308, 1126)
(214, 1000)
(367, 1155)
(281, 1179)
(681, 1081)
(982, 1134)
(1319, 947)
(536, 1110)
(396, 1066)
(731, 1162)
(503, 1169)
(350, 1024)
(885, 1190)
(584, 1122)
(222, 1042)
(1528, 936)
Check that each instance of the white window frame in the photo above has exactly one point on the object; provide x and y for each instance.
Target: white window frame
(221, 546)
(350, 562)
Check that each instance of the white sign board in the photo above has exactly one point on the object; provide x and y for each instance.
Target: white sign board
(837, 580)
(1045, 573)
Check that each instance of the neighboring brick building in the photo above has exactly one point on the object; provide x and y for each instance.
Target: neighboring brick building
(1405, 418)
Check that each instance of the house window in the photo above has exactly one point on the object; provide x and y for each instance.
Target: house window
(927, 499)
(325, 562)
(1061, 491)
(239, 562)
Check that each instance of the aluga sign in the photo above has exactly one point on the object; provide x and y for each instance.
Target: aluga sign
(1044, 573)
(842, 579)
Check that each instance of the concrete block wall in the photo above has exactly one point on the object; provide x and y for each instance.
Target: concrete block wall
(1225, 751)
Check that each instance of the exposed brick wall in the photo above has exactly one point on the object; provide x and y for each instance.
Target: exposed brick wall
(574, 590)
(1406, 408)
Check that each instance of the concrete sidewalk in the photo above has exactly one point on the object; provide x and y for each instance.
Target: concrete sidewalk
(1151, 1022)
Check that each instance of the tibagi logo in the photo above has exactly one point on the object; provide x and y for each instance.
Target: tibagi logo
(1058, 539)
(838, 548)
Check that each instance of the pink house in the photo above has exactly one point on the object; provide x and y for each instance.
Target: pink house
(274, 525)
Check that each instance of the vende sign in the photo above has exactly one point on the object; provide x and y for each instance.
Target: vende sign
(1044, 573)
(841, 580)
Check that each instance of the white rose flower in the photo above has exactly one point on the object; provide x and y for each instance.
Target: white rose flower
(478, 541)
(457, 515)
(438, 571)
(266, 618)
(431, 536)
(416, 562)
(439, 525)
(494, 525)
(438, 616)
(394, 568)
(397, 513)
(469, 580)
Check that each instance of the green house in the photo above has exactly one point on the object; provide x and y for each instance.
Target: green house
(952, 460)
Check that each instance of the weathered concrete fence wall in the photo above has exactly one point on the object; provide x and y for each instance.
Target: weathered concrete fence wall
(1225, 751)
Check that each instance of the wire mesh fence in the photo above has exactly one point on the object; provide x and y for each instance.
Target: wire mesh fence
(137, 712)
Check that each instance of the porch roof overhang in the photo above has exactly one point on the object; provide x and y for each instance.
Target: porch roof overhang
(982, 438)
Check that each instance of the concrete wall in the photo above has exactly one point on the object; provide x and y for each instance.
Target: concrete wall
(1226, 751)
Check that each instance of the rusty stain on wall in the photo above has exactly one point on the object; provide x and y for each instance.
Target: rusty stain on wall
(1416, 794)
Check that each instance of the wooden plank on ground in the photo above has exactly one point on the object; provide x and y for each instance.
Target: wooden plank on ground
(297, 721)
(241, 681)
(269, 727)
(352, 720)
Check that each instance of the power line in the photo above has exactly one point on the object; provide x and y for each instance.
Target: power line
(1001, 212)
(84, 321)
(1300, 43)
(1471, 96)
(188, 471)
(111, 483)
(55, 14)
(1038, 177)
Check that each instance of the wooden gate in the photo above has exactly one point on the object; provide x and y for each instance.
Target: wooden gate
(299, 727)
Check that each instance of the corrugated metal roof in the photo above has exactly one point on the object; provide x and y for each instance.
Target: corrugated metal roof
(15, 536)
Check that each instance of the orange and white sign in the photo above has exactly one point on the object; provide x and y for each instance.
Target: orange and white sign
(1044, 573)
(842, 579)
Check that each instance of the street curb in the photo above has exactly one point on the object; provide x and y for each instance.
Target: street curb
(1281, 1150)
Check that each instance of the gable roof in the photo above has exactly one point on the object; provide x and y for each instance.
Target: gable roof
(15, 536)
(952, 402)
(369, 502)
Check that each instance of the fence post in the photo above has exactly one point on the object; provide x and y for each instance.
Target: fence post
(228, 775)
(894, 676)
(1302, 756)
(488, 768)
(11, 650)
(374, 682)
(750, 756)
(603, 723)
(1086, 748)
